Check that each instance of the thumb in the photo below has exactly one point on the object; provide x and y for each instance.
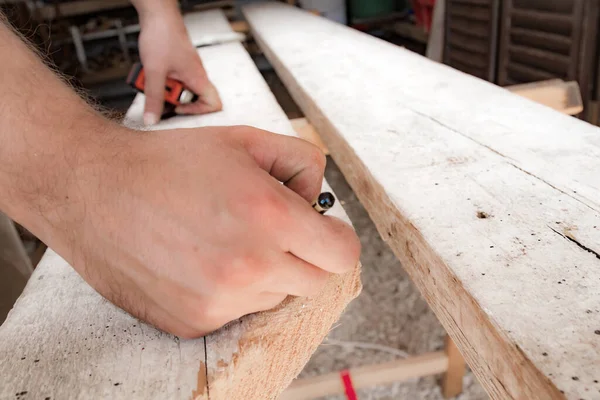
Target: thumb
(154, 89)
(297, 163)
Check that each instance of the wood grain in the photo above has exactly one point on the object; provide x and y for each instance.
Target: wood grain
(490, 201)
(452, 382)
(63, 340)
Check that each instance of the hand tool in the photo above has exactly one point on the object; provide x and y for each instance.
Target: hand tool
(175, 91)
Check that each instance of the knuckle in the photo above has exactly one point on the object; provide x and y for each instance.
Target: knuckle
(207, 316)
(240, 272)
(317, 157)
(317, 284)
(350, 247)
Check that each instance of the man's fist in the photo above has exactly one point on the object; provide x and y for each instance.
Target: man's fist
(190, 229)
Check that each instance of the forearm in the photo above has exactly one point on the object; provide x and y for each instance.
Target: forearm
(161, 8)
(45, 128)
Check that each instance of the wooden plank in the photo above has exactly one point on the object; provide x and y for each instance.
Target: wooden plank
(15, 266)
(369, 375)
(490, 201)
(555, 93)
(210, 27)
(452, 383)
(308, 133)
(73, 8)
(63, 340)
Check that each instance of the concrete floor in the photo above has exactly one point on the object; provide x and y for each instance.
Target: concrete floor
(389, 312)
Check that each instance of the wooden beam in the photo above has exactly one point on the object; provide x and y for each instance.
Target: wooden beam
(209, 28)
(63, 340)
(15, 266)
(490, 201)
(306, 131)
(369, 375)
(452, 382)
(554, 93)
(240, 26)
(74, 8)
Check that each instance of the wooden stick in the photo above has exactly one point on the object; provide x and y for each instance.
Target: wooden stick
(307, 132)
(370, 375)
(554, 93)
(452, 382)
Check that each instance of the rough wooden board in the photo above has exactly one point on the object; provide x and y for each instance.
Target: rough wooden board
(307, 132)
(210, 27)
(489, 200)
(554, 93)
(63, 341)
(258, 356)
(15, 266)
(87, 348)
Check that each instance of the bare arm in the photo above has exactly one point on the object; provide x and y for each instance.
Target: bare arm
(166, 50)
(186, 229)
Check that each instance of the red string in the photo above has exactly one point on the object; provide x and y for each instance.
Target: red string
(348, 387)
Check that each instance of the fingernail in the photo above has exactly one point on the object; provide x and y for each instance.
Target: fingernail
(150, 119)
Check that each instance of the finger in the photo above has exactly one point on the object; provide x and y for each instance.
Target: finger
(154, 89)
(296, 277)
(297, 163)
(208, 102)
(324, 241)
(195, 78)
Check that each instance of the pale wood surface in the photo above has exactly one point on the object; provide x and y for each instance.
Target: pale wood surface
(554, 93)
(307, 132)
(87, 348)
(368, 375)
(452, 382)
(210, 27)
(489, 200)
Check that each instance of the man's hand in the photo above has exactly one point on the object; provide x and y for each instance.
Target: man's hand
(166, 50)
(191, 229)
(186, 229)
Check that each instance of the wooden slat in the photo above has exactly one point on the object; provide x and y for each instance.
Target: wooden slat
(474, 29)
(546, 60)
(452, 383)
(73, 8)
(526, 73)
(545, 19)
(555, 93)
(307, 132)
(472, 13)
(210, 27)
(64, 341)
(489, 201)
(368, 375)
(540, 39)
